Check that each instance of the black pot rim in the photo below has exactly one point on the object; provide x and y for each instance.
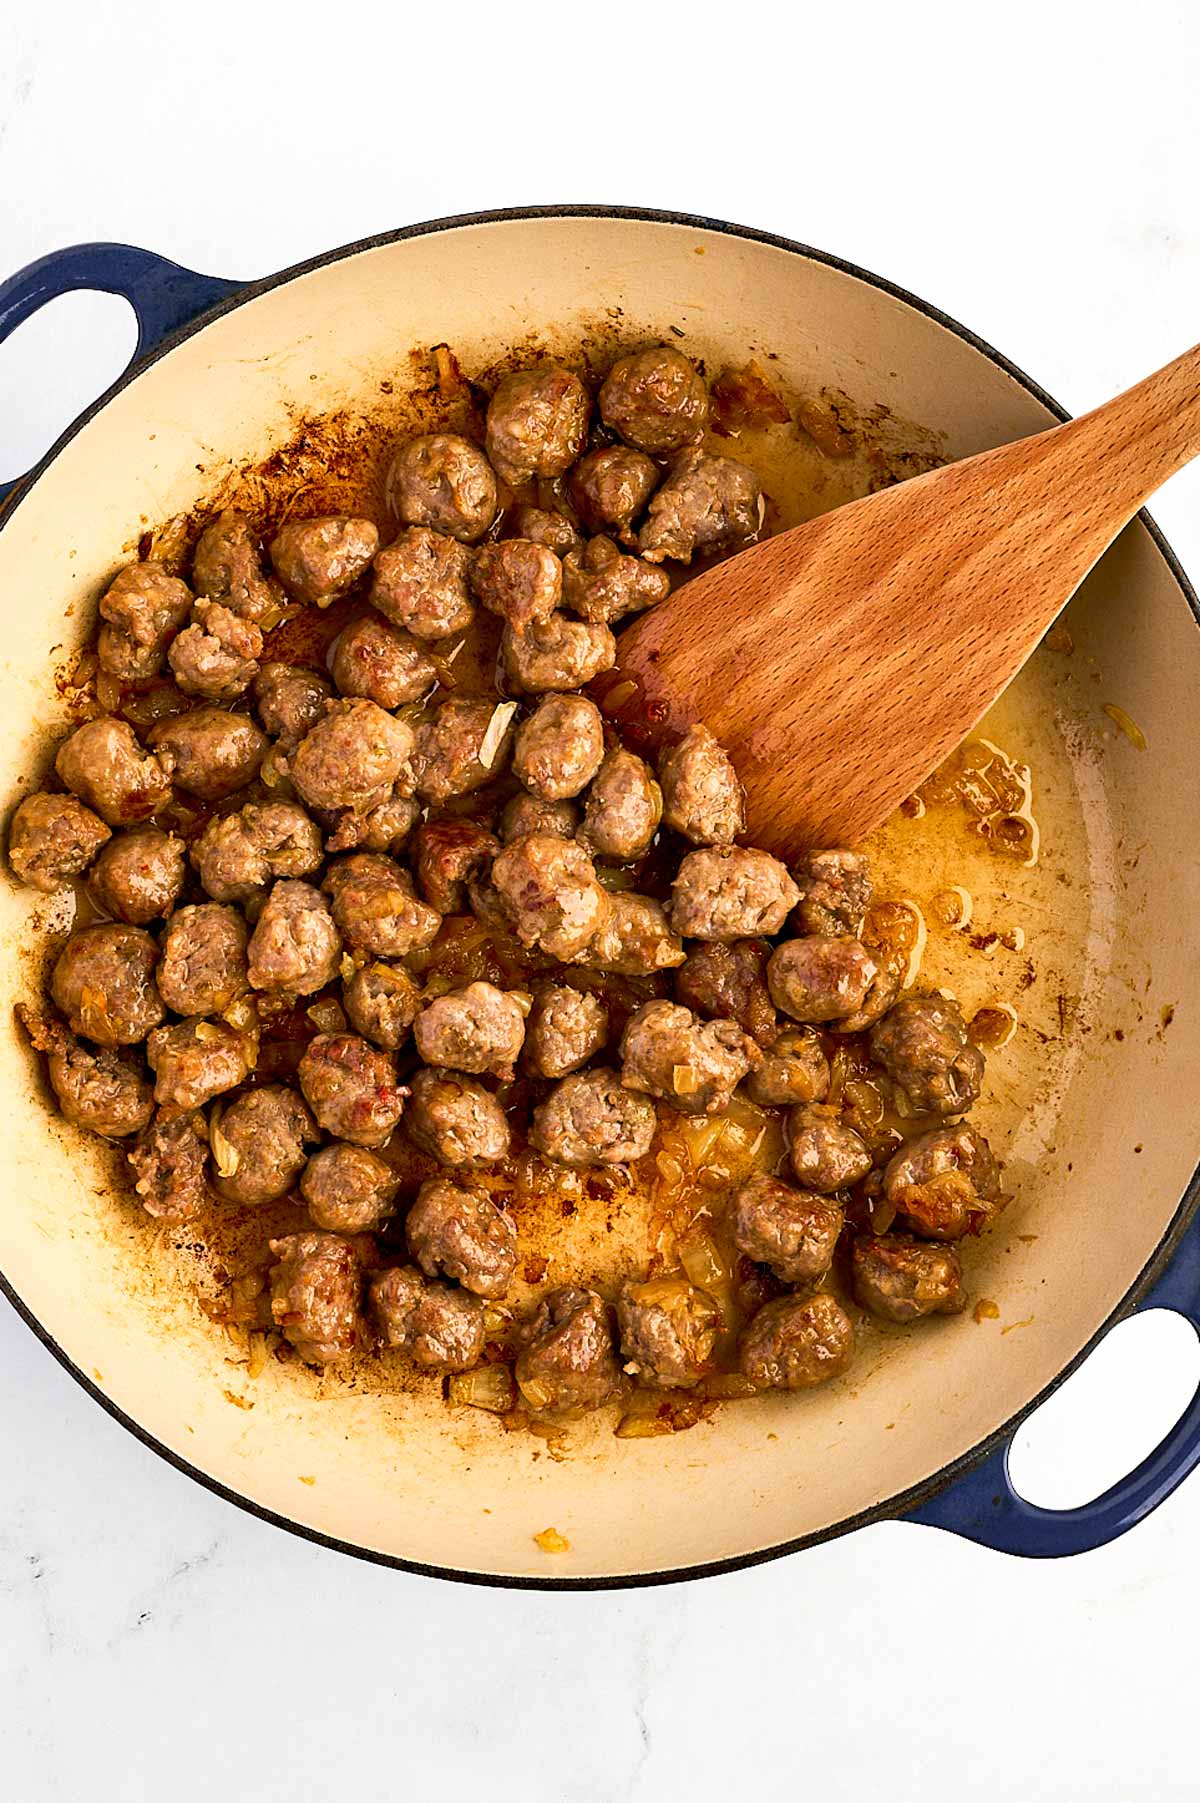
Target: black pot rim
(891, 1507)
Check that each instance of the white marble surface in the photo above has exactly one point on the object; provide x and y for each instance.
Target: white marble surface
(1033, 170)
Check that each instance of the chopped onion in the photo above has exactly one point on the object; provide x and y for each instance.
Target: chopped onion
(225, 1154)
(487, 1387)
(327, 1015)
(684, 1080)
(242, 1015)
(93, 1013)
(537, 1394)
(701, 1259)
(615, 879)
(494, 736)
(729, 1386)
(551, 1541)
(637, 1426)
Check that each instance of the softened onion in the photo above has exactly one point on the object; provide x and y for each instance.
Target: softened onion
(703, 1262)
(487, 1387)
(225, 1154)
(497, 726)
(327, 1016)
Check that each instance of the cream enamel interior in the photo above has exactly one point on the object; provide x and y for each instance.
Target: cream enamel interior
(1100, 1143)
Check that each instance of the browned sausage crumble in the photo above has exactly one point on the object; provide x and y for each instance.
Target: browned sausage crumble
(360, 934)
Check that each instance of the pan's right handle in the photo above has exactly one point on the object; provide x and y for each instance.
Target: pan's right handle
(164, 296)
(983, 1506)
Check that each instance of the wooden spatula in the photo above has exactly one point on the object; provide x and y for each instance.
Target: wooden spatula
(840, 662)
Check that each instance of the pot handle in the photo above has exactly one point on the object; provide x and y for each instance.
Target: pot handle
(983, 1506)
(163, 295)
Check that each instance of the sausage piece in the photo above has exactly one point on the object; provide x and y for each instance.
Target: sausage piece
(316, 1289)
(210, 751)
(216, 657)
(318, 560)
(537, 422)
(353, 757)
(461, 1233)
(559, 748)
(519, 580)
(203, 965)
(796, 1342)
(103, 764)
(549, 886)
(102, 1090)
(610, 488)
(237, 855)
(545, 527)
(731, 892)
(391, 668)
(794, 1070)
(945, 1183)
(290, 699)
(228, 566)
(826, 1155)
(138, 876)
(383, 828)
(792, 1231)
(558, 654)
(456, 1120)
(835, 892)
(922, 1043)
(623, 808)
(194, 1061)
(441, 1328)
(475, 1029)
(169, 1158)
(420, 584)
(142, 608)
(447, 854)
(566, 1027)
(103, 982)
(601, 584)
(902, 1279)
(819, 978)
(466, 744)
(530, 814)
(703, 796)
(52, 839)
(258, 1144)
(656, 400)
(591, 1119)
(351, 1088)
(375, 909)
(633, 940)
(443, 481)
(568, 1360)
(668, 1329)
(348, 1189)
(295, 946)
(381, 1003)
(694, 1065)
(728, 982)
(705, 504)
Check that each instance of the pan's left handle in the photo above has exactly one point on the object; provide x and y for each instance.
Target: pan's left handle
(163, 295)
(983, 1506)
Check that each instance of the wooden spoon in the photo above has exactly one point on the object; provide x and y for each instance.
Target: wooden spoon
(841, 661)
